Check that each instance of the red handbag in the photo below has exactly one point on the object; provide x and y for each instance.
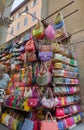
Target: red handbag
(69, 121)
(30, 46)
(32, 102)
(59, 112)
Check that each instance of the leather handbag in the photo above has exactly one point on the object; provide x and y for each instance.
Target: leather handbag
(50, 102)
(28, 125)
(30, 46)
(55, 47)
(58, 19)
(66, 111)
(38, 31)
(45, 53)
(32, 102)
(43, 76)
(49, 125)
(31, 56)
(27, 92)
(60, 125)
(59, 25)
(59, 112)
(50, 32)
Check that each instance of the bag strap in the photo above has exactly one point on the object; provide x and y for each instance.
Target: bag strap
(48, 113)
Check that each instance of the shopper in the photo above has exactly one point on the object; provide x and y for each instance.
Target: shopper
(4, 80)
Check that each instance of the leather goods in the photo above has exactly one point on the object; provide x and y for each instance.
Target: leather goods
(31, 56)
(32, 102)
(55, 47)
(43, 76)
(59, 25)
(28, 125)
(30, 46)
(45, 52)
(26, 37)
(49, 125)
(66, 111)
(38, 31)
(60, 125)
(59, 112)
(50, 32)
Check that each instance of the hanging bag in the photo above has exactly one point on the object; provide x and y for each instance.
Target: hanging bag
(30, 46)
(43, 76)
(45, 52)
(50, 32)
(38, 31)
(49, 125)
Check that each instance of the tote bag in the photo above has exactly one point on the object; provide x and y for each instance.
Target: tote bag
(49, 125)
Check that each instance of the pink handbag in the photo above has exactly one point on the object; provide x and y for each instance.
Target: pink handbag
(49, 125)
(59, 112)
(49, 102)
(32, 102)
(50, 32)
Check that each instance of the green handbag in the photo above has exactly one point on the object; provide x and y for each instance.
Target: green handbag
(71, 61)
(58, 19)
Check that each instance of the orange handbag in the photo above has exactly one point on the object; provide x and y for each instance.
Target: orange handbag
(49, 125)
(30, 46)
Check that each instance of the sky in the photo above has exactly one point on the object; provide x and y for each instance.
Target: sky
(16, 3)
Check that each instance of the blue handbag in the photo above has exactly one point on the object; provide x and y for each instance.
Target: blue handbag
(57, 26)
(60, 125)
(28, 125)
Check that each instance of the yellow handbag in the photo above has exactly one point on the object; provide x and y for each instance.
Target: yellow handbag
(3, 117)
(15, 123)
(25, 106)
(58, 65)
(55, 47)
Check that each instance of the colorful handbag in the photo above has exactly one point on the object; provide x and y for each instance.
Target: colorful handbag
(38, 31)
(45, 52)
(32, 102)
(44, 76)
(30, 46)
(31, 56)
(55, 47)
(59, 25)
(49, 125)
(28, 125)
(50, 32)
(59, 112)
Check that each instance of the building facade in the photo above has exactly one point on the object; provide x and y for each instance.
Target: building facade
(22, 23)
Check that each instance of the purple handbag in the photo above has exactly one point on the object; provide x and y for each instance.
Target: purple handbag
(45, 56)
(45, 52)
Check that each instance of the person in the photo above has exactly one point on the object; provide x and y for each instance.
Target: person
(4, 80)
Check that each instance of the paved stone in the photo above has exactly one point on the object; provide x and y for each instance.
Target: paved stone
(79, 127)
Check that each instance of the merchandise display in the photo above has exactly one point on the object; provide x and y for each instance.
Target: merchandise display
(44, 80)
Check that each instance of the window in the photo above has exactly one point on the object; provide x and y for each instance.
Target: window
(26, 7)
(34, 14)
(12, 30)
(18, 26)
(35, 2)
(18, 14)
(25, 21)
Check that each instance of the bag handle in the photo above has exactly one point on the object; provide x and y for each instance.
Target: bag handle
(48, 113)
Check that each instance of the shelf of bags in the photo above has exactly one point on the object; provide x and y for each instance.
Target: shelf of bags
(64, 93)
(68, 104)
(63, 53)
(63, 69)
(65, 76)
(17, 108)
(67, 115)
(57, 60)
(63, 84)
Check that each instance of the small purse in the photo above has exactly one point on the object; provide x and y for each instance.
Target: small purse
(45, 52)
(33, 102)
(50, 32)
